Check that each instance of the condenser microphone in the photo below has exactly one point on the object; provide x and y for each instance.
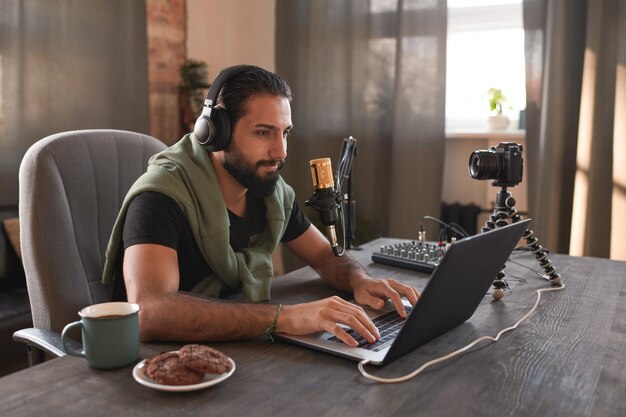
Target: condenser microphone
(325, 199)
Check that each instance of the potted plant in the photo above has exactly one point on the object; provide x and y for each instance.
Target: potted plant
(496, 100)
(194, 82)
(192, 92)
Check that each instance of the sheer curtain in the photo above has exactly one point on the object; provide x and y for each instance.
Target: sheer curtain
(576, 124)
(374, 70)
(67, 65)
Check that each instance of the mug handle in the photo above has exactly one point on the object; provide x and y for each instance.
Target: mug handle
(66, 348)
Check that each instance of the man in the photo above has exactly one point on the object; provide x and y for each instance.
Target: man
(206, 221)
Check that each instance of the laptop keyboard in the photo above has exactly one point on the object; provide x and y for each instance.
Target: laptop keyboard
(388, 324)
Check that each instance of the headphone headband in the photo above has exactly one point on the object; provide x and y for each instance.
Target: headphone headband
(212, 129)
(222, 77)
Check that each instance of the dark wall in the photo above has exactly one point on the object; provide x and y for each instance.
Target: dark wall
(68, 65)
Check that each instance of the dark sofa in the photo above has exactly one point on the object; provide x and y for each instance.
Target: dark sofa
(14, 304)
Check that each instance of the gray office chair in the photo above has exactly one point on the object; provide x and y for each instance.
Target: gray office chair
(71, 187)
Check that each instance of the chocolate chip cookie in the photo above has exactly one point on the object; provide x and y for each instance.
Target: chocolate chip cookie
(204, 359)
(168, 369)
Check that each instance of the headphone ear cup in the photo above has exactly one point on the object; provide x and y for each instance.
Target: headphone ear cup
(218, 130)
(212, 129)
(201, 129)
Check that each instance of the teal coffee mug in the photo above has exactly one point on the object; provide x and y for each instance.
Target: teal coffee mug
(110, 335)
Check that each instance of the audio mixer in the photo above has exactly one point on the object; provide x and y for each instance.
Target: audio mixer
(422, 256)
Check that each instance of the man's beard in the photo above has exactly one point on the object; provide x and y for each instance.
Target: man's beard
(245, 173)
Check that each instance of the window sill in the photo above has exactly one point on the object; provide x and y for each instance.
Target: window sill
(505, 135)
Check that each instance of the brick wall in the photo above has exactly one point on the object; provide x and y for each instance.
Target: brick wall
(167, 37)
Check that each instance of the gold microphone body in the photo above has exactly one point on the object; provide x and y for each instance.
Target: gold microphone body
(325, 199)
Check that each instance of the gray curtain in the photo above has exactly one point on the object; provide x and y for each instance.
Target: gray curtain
(66, 65)
(576, 93)
(374, 70)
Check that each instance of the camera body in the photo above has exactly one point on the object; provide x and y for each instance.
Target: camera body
(502, 163)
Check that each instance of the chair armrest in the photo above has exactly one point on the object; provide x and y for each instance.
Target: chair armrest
(44, 340)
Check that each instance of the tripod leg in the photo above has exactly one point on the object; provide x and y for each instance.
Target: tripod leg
(500, 287)
(505, 211)
(499, 218)
(532, 242)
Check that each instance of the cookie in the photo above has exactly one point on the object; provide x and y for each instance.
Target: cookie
(153, 363)
(204, 359)
(168, 369)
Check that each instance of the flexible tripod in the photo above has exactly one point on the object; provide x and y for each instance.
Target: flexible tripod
(505, 210)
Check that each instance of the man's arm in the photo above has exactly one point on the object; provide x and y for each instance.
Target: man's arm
(345, 273)
(152, 278)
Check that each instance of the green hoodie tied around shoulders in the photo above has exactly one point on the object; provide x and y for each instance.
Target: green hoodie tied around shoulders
(185, 173)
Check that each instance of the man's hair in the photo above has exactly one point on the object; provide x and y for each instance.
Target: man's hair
(254, 81)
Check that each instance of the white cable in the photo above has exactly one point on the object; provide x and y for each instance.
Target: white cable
(456, 352)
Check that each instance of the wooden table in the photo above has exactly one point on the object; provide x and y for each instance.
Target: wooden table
(568, 359)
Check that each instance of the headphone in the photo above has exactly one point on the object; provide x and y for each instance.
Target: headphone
(212, 129)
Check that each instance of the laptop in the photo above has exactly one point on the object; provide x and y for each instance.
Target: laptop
(451, 296)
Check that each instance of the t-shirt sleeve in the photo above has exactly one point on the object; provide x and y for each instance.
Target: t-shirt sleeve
(153, 218)
(298, 224)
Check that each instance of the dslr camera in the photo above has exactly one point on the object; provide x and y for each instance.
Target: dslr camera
(502, 163)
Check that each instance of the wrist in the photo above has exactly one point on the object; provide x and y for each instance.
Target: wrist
(272, 328)
(358, 279)
(282, 323)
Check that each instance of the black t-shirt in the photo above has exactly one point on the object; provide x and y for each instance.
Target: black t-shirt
(155, 218)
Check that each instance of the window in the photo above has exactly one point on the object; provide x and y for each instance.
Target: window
(485, 49)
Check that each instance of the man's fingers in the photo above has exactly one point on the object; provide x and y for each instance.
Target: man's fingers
(393, 294)
(402, 290)
(346, 313)
(407, 291)
(392, 290)
(342, 335)
(372, 301)
(399, 305)
(369, 334)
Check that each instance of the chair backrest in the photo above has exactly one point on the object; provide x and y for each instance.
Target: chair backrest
(71, 187)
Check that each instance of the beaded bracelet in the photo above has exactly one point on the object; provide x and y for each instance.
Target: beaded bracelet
(270, 330)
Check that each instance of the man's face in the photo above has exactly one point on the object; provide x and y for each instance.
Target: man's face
(258, 145)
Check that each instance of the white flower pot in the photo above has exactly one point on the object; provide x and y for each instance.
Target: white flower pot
(498, 122)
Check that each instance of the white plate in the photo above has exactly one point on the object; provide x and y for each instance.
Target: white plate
(209, 379)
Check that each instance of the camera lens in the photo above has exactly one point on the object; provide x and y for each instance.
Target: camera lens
(484, 165)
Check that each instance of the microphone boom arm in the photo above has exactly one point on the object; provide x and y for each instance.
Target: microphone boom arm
(344, 171)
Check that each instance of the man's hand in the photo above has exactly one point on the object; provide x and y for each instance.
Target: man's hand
(345, 274)
(324, 315)
(373, 293)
